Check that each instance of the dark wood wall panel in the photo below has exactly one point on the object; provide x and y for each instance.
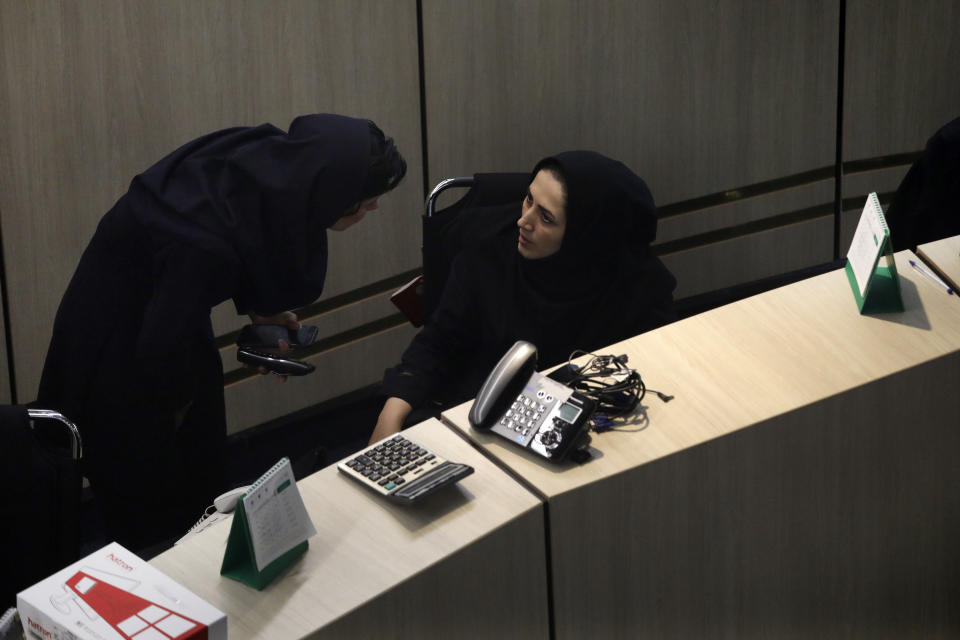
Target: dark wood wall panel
(751, 257)
(901, 77)
(697, 98)
(746, 211)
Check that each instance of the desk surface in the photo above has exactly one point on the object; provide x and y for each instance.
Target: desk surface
(802, 483)
(945, 256)
(746, 362)
(365, 547)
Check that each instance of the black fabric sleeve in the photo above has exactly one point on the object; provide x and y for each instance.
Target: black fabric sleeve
(658, 285)
(188, 282)
(439, 353)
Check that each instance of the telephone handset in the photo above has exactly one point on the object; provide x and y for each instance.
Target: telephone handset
(530, 409)
(223, 505)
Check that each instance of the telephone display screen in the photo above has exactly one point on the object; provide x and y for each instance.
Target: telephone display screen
(568, 413)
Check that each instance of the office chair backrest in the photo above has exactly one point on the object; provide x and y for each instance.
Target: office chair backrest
(477, 215)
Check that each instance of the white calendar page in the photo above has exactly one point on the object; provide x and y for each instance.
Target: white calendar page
(276, 516)
(868, 242)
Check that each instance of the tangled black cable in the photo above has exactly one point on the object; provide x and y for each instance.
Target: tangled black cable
(607, 380)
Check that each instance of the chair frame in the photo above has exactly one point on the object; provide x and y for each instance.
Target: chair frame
(47, 414)
(443, 185)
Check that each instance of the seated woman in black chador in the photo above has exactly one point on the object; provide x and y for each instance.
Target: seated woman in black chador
(240, 213)
(576, 272)
(925, 206)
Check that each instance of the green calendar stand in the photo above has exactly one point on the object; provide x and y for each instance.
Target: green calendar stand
(239, 561)
(871, 268)
(240, 558)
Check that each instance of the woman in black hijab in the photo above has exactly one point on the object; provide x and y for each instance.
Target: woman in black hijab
(924, 207)
(240, 213)
(576, 272)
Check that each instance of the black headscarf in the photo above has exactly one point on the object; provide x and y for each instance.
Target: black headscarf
(608, 205)
(611, 221)
(603, 284)
(260, 200)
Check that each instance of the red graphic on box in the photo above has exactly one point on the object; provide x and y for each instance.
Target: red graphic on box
(132, 616)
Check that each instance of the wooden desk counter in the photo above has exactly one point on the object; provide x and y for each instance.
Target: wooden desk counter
(802, 482)
(945, 256)
(452, 565)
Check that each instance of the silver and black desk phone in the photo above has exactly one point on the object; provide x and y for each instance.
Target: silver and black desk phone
(531, 410)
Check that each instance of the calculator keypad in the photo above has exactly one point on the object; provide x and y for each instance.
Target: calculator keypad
(390, 464)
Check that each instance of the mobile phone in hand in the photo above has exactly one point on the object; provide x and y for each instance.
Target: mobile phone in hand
(274, 363)
(258, 345)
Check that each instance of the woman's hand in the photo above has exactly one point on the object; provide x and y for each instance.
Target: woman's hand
(391, 418)
(285, 318)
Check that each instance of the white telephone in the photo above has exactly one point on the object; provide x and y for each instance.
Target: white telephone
(227, 502)
(223, 505)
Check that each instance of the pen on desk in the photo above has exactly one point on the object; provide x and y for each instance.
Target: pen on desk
(930, 274)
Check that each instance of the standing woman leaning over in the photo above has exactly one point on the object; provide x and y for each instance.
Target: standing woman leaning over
(239, 214)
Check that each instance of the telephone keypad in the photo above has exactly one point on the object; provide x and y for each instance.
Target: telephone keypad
(526, 414)
(547, 417)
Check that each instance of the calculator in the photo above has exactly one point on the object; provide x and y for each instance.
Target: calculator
(401, 470)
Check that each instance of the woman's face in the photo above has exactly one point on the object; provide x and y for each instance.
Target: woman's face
(543, 217)
(355, 214)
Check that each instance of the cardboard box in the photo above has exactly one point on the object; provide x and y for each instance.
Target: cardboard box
(113, 594)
